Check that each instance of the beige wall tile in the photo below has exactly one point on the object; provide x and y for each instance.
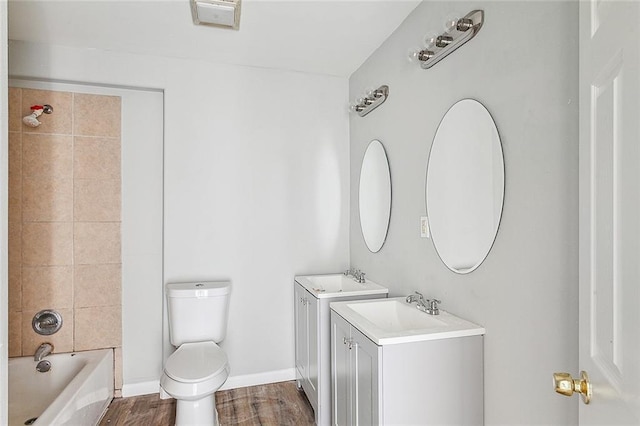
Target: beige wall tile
(117, 357)
(15, 333)
(97, 285)
(44, 286)
(47, 155)
(15, 242)
(15, 287)
(15, 109)
(97, 243)
(47, 199)
(96, 115)
(15, 199)
(62, 340)
(96, 200)
(96, 158)
(98, 327)
(47, 243)
(59, 121)
(15, 177)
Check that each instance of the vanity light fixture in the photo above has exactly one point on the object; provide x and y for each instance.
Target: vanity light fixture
(458, 31)
(372, 100)
(217, 13)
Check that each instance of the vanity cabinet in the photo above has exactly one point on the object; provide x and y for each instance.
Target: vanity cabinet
(355, 362)
(306, 326)
(430, 382)
(313, 295)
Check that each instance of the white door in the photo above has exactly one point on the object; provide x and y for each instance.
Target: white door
(609, 312)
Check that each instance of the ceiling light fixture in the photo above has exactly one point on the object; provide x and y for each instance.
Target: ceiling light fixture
(218, 13)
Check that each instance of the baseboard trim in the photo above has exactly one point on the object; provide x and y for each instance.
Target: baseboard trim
(142, 388)
(234, 382)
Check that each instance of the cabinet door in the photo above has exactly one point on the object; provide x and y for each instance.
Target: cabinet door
(312, 338)
(340, 371)
(301, 326)
(366, 368)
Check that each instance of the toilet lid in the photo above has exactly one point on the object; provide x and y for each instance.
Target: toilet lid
(196, 362)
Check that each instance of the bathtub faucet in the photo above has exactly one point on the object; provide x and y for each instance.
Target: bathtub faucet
(42, 351)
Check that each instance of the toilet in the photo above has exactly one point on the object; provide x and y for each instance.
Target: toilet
(199, 367)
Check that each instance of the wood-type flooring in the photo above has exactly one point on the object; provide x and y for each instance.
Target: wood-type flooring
(274, 404)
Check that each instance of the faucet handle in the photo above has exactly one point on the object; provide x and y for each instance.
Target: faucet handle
(433, 306)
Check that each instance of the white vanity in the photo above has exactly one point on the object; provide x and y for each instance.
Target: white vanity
(313, 294)
(393, 364)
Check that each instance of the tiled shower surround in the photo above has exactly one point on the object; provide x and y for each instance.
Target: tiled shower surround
(64, 220)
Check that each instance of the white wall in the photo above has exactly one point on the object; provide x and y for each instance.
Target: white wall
(523, 66)
(256, 184)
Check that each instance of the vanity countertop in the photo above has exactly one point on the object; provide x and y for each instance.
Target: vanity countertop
(392, 321)
(338, 285)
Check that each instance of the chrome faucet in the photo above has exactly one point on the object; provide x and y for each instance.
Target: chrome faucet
(357, 275)
(432, 309)
(43, 350)
(415, 297)
(430, 306)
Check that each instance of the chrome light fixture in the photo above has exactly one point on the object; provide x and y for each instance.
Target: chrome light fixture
(218, 13)
(372, 100)
(458, 31)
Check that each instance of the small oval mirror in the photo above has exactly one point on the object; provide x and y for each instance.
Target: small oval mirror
(465, 186)
(375, 196)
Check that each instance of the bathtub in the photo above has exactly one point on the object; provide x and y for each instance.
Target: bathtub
(76, 391)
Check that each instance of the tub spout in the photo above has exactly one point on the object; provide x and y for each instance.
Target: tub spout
(42, 351)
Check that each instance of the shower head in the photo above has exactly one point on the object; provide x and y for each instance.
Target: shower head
(31, 120)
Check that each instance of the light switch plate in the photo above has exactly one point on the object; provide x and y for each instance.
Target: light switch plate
(424, 227)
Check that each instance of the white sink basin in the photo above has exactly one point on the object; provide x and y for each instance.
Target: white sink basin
(334, 285)
(394, 316)
(393, 321)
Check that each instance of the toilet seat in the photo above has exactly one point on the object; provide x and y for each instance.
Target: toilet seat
(196, 362)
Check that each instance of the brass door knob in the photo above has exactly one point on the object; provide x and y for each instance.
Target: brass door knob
(566, 385)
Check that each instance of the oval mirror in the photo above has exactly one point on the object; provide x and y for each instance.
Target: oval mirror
(375, 196)
(465, 186)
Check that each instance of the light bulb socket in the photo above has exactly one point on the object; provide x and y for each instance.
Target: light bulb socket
(444, 40)
(464, 24)
(377, 94)
(425, 55)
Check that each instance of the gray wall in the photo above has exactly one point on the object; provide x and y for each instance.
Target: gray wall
(523, 66)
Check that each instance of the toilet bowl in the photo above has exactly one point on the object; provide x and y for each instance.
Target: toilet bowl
(199, 367)
(192, 375)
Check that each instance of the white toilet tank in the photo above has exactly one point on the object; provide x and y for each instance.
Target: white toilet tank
(198, 311)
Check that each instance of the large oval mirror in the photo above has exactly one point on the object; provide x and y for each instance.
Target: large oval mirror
(465, 186)
(375, 196)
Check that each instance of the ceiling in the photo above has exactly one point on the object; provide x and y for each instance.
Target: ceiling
(318, 36)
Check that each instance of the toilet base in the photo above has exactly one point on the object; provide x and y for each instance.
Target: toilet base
(201, 412)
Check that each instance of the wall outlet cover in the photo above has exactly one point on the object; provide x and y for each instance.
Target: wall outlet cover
(424, 227)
